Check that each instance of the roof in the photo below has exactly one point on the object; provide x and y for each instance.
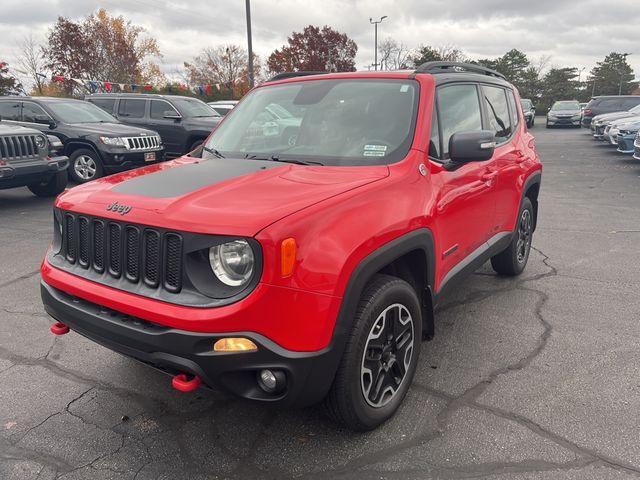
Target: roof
(40, 99)
(135, 95)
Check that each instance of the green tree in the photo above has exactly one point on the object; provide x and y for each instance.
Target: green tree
(8, 84)
(515, 66)
(558, 84)
(447, 53)
(612, 76)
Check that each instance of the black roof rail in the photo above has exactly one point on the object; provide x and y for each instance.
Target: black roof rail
(283, 75)
(452, 67)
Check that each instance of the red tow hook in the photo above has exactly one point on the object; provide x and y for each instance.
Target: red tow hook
(185, 382)
(59, 328)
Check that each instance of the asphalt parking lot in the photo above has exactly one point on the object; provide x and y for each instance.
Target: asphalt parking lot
(534, 378)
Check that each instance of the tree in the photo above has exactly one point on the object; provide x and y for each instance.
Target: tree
(226, 65)
(32, 64)
(443, 53)
(100, 48)
(315, 49)
(513, 65)
(612, 76)
(8, 84)
(558, 84)
(393, 55)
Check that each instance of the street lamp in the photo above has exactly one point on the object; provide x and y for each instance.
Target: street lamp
(625, 55)
(375, 26)
(250, 47)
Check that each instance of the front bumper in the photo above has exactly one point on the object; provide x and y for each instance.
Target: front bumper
(566, 122)
(308, 374)
(32, 172)
(120, 160)
(610, 136)
(625, 143)
(636, 150)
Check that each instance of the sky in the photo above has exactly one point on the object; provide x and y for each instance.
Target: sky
(571, 32)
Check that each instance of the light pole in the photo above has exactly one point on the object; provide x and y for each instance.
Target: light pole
(625, 55)
(375, 53)
(249, 43)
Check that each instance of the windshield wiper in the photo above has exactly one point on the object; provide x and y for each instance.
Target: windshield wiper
(275, 158)
(213, 151)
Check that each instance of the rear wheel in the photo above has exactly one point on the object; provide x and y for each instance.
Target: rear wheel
(380, 357)
(85, 165)
(51, 188)
(512, 260)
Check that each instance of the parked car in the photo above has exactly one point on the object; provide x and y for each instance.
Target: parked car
(288, 274)
(627, 133)
(600, 122)
(95, 142)
(182, 122)
(28, 160)
(529, 111)
(608, 104)
(223, 106)
(564, 113)
(636, 147)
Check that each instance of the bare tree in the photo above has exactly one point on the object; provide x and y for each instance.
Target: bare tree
(225, 64)
(32, 64)
(394, 55)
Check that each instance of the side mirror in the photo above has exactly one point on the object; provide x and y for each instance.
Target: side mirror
(472, 146)
(171, 115)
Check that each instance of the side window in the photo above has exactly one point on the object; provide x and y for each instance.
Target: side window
(158, 107)
(630, 103)
(30, 111)
(131, 108)
(498, 112)
(10, 111)
(434, 142)
(513, 109)
(107, 104)
(459, 111)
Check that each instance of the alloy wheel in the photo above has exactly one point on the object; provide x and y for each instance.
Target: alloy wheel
(85, 167)
(524, 236)
(387, 355)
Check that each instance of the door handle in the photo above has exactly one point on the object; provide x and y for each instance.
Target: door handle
(520, 157)
(488, 177)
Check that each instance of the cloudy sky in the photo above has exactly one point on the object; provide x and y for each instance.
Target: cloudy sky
(572, 32)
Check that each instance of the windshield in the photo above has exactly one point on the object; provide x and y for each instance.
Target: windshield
(79, 112)
(566, 106)
(635, 109)
(192, 107)
(526, 104)
(337, 122)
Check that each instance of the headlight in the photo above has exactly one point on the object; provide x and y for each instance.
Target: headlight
(115, 141)
(41, 142)
(233, 262)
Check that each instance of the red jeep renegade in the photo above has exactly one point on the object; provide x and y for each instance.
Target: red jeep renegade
(298, 255)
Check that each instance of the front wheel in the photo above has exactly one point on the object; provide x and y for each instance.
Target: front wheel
(380, 357)
(512, 260)
(85, 165)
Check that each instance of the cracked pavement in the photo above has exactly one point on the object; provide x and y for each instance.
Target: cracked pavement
(531, 378)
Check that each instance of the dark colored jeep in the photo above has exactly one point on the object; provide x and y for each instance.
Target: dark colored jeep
(95, 142)
(182, 122)
(25, 162)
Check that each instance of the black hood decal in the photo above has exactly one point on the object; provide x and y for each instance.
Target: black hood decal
(183, 179)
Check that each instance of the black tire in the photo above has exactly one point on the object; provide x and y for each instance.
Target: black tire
(513, 259)
(51, 188)
(385, 297)
(548, 125)
(533, 121)
(85, 165)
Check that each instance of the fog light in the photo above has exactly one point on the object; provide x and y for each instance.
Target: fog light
(234, 345)
(271, 381)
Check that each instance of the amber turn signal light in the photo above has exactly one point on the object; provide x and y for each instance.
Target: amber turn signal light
(233, 344)
(288, 257)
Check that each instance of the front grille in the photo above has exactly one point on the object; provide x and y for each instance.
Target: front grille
(142, 143)
(18, 147)
(117, 249)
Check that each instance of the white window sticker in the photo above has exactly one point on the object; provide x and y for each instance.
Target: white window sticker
(374, 150)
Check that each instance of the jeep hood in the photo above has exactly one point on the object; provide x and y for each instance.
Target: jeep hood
(109, 129)
(215, 196)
